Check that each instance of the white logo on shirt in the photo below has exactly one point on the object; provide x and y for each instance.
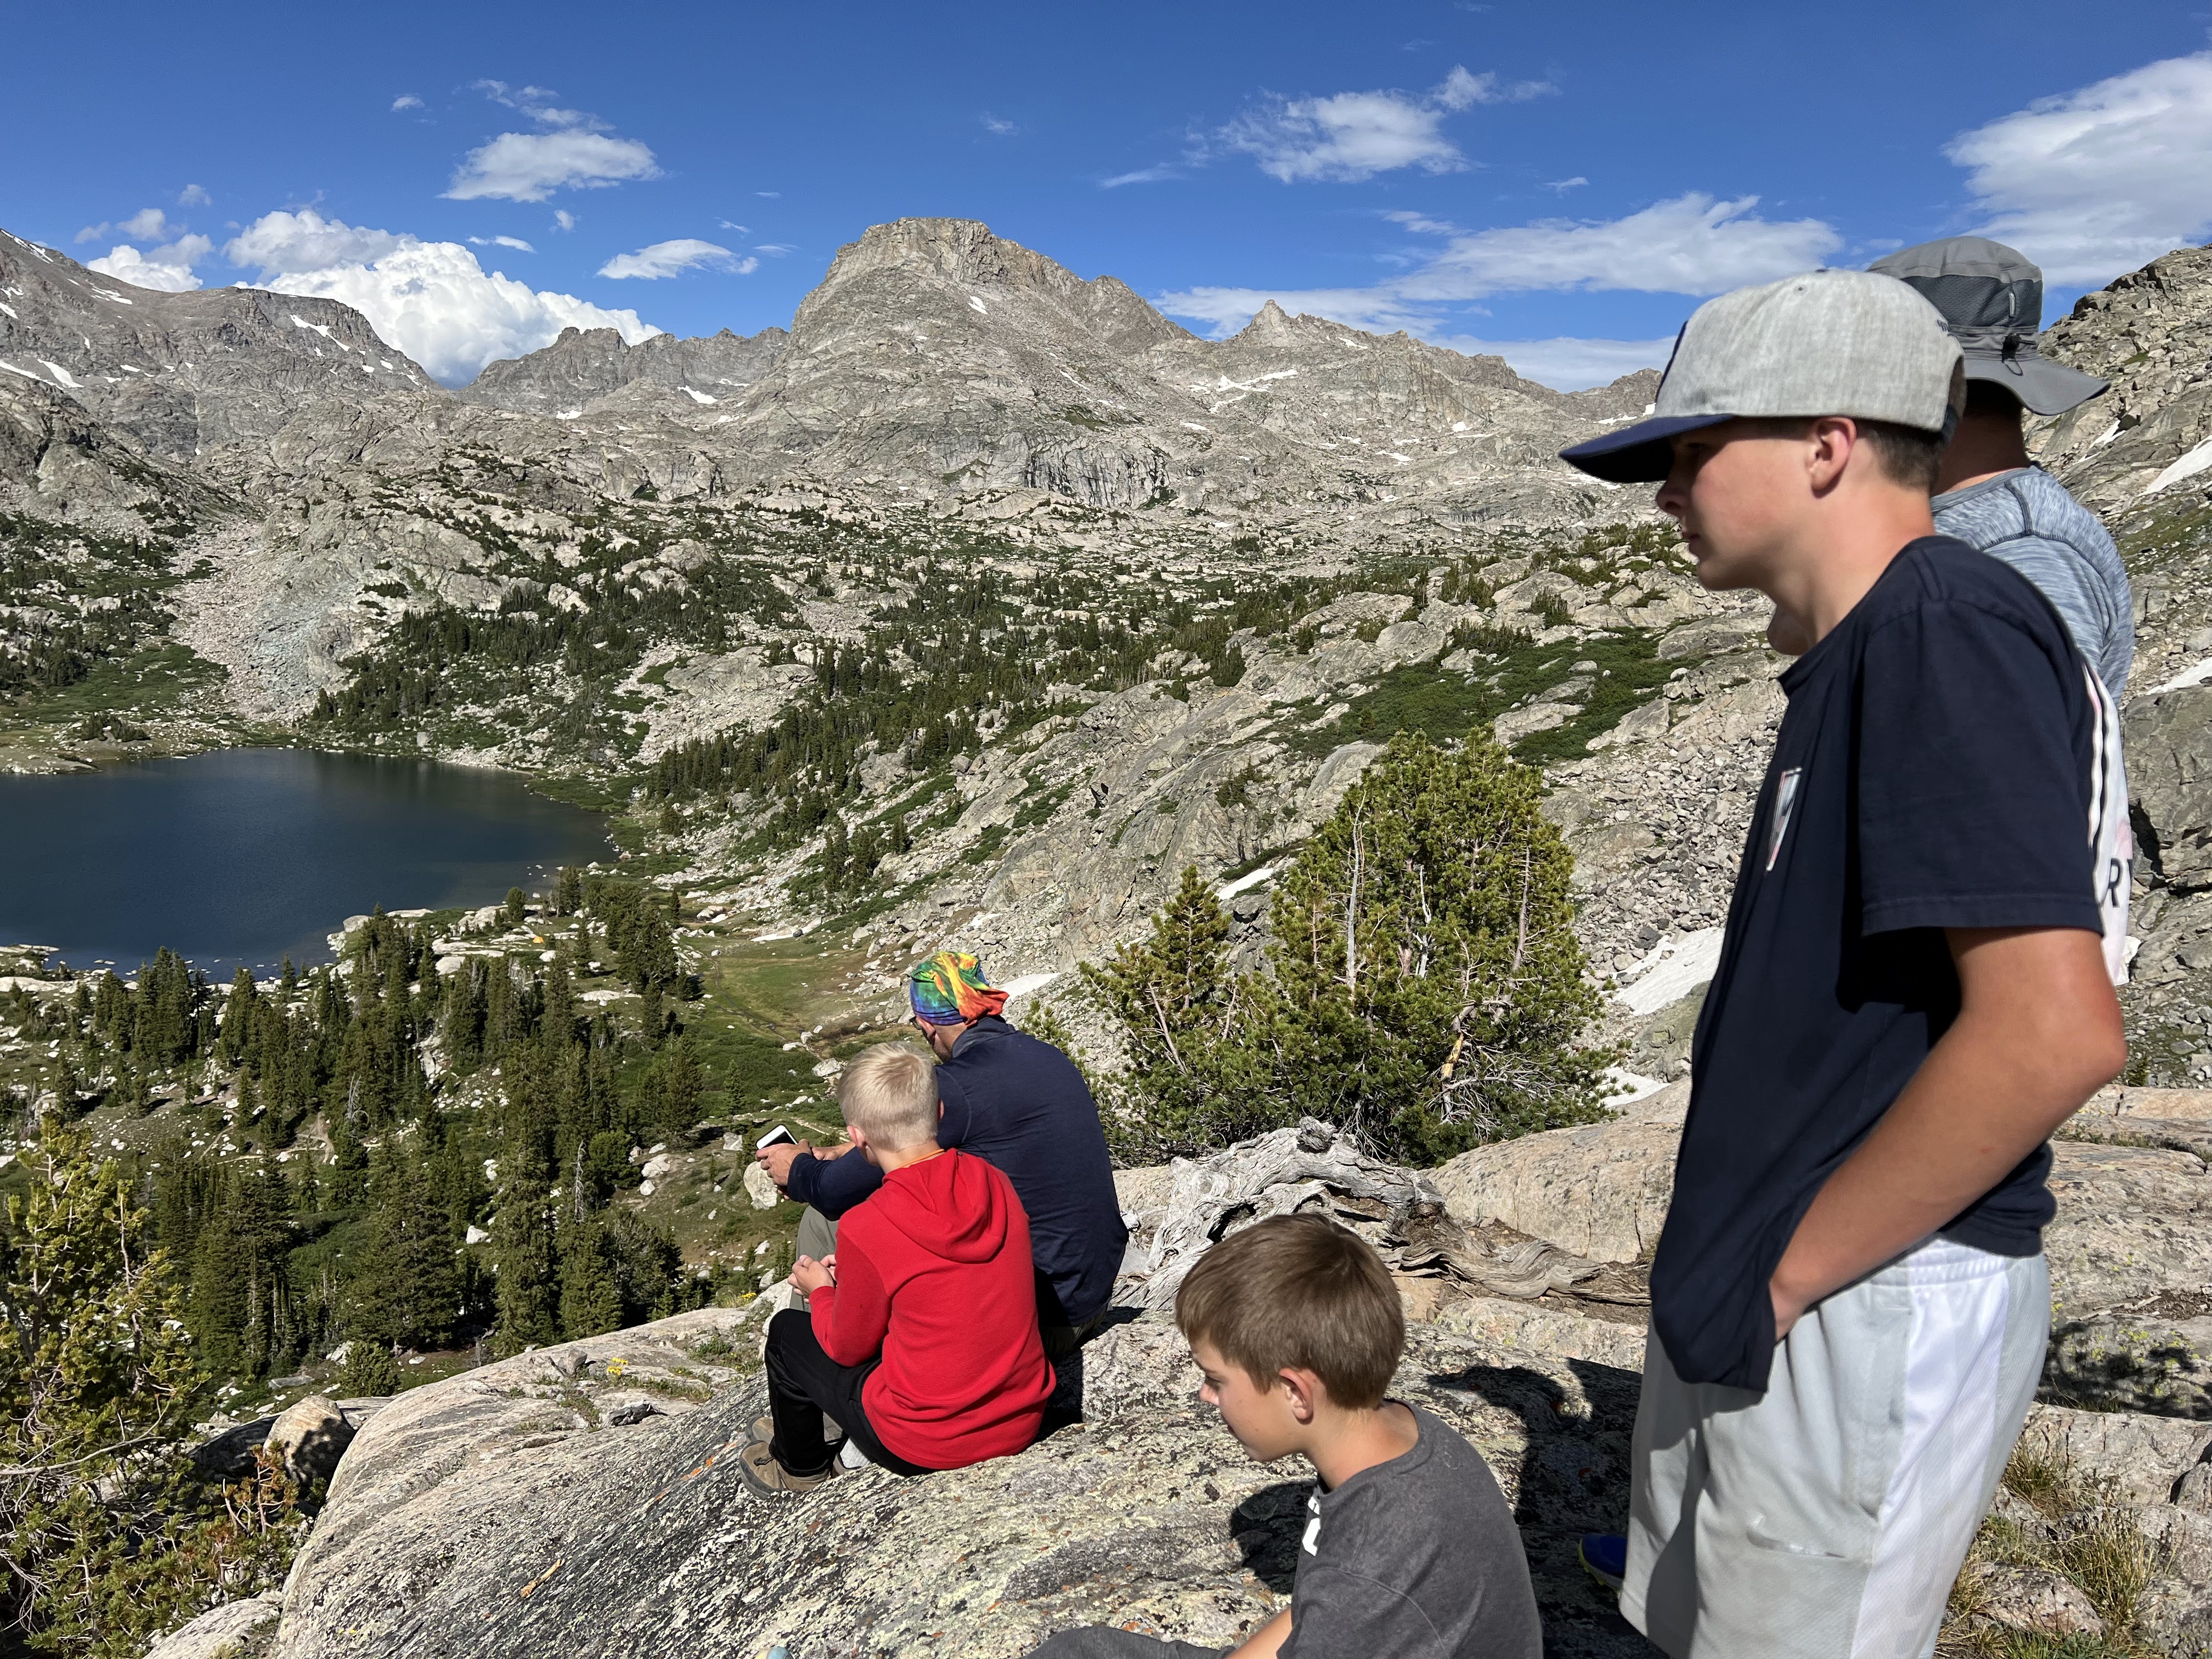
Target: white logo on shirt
(2110, 835)
(1785, 797)
(1313, 1524)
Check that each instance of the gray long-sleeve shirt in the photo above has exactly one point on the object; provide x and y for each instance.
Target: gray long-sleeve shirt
(2027, 518)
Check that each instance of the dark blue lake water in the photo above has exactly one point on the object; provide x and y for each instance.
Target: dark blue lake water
(248, 855)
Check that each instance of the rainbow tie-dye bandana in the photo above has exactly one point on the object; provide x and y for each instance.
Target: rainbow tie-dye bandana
(949, 989)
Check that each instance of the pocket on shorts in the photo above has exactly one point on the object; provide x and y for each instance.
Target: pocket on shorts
(1772, 1599)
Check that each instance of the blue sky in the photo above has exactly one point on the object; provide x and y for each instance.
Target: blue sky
(1560, 184)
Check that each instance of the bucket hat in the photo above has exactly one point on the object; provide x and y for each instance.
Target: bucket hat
(1824, 342)
(1991, 298)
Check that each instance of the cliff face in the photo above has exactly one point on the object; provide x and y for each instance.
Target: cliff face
(2150, 334)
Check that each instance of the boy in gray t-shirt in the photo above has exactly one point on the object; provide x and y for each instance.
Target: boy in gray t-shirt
(1409, 1549)
(1988, 494)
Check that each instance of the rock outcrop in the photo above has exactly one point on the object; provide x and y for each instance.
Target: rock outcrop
(2170, 780)
(498, 1514)
(583, 1500)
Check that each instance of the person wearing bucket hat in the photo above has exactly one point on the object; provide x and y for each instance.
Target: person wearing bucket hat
(1019, 1105)
(1848, 1300)
(1990, 495)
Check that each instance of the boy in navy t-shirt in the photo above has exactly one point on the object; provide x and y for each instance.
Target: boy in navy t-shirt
(1848, 1298)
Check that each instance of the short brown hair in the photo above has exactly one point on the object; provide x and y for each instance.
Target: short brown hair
(1300, 1293)
(891, 1093)
(1906, 455)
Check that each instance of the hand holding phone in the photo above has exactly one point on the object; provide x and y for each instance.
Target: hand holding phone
(774, 1137)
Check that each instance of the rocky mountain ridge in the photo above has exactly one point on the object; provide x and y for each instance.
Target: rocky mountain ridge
(186, 374)
(567, 378)
(947, 395)
(935, 354)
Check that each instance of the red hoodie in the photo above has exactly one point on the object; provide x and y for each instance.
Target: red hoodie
(934, 1270)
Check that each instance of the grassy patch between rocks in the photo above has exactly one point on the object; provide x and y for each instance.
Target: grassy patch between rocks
(2058, 1571)
(1510, 670)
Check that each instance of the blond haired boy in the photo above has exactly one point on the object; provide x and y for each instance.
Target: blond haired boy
(921, 1333)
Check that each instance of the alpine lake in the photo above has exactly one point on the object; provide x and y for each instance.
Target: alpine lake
(245, 856)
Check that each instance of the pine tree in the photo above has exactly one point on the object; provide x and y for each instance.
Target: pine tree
(1428, 989)
(591, 1304)
(100, 1521)
(401, 1293)
(370, 1370)
(1185, 1018)
(646, 1265)
(239, 1013)
(522, 1233)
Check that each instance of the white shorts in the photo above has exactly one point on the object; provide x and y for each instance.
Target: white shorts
(1827, 1518)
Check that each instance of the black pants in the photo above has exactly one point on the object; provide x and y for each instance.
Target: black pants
(803, 1382)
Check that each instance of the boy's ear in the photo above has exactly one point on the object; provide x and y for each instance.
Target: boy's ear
(1302, 1391)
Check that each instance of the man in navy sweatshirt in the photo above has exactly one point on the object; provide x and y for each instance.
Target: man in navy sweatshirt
(1019, 1105)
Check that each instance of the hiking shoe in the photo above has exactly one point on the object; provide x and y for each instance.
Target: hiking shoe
(1604, 1556)
(766, 1476)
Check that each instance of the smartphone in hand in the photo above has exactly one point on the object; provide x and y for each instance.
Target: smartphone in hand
(775, 1137)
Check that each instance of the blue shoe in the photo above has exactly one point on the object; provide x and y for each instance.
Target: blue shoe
(1605, 1558)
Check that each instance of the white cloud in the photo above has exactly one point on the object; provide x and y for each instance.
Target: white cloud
(997, 127)
(1563, 185)
(431, 300)
(1692, 245)
(1142, 176)
(564, 220)
(1422, 223)
(194, 196)
(282, 243)
(168, 269)
(1463, 91)
(774, 250)
(1356, 135)
(2097, 181)
(1348, 137)
(529, 166)
(503, 241)
(673, 258)
(1567, 364)
(771, 194)
(146, 225)
(406, 101)
(575, 153)
(537, 102)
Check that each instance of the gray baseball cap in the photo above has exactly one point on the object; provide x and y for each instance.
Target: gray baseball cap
(1825, 342)
(1991, 298)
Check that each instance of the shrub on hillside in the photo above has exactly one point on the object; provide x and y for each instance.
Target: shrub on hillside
(1424, 988)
